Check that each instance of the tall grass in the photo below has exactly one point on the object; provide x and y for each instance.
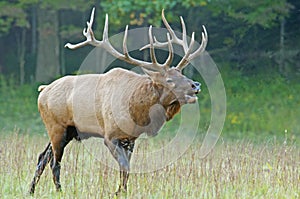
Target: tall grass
(239, 170)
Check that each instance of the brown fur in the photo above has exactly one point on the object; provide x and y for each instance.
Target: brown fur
(141, 100)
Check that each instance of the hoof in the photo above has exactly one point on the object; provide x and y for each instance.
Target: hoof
(58, 189)
(120, 191)
(31, 192)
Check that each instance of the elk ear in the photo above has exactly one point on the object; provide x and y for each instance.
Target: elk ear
(155, 76)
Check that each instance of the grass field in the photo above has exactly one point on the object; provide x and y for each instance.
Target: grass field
(257, 156)
(232, 170)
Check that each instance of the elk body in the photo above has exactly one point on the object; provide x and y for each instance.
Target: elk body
(117, 106)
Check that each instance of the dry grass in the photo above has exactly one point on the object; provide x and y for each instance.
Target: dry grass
(235, 170)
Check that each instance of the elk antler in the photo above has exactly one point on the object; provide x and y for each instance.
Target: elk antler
(91, 40)
(183, 42)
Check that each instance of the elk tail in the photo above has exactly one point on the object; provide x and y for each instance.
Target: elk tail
(42, 87)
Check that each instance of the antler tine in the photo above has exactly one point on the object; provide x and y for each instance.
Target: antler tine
(171, 54)
(171, 31)
(174, 38)
(154, 65)
(184, 40)
(185, 60)
(125, 50)
(188, 57)
(156, 44)
(152, 52)
(105, 30)
(92, 16)
(88, 33)
(202, 46)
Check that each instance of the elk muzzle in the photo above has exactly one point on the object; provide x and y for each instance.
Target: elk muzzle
(191, 97)
(196, 86)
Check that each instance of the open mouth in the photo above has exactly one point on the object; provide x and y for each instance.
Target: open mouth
(191, 99)
(188, 98)
(197, 91)
(196, 86)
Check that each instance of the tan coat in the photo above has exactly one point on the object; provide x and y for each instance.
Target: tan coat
(112, 105)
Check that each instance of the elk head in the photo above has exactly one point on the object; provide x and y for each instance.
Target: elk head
(177, 88)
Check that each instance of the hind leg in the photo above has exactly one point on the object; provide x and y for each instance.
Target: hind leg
(43, 160)
(59, 142)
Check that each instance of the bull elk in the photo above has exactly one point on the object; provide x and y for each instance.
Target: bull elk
(79, 107)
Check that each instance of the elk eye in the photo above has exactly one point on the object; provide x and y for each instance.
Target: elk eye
(169, 80)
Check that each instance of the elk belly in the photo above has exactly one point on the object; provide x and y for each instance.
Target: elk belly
(83, 105)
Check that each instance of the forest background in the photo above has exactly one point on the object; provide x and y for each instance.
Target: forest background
(255, 44)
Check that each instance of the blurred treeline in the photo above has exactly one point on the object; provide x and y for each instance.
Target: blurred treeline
(248, 36)
(256, 45)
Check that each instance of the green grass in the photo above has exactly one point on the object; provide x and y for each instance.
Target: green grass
(232, 170)
(258, 107)
(18, 108)
(267, 105)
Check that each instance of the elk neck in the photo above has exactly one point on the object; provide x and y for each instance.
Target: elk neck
(169, 101)
(147, 95)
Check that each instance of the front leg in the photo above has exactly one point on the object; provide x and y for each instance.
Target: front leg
(128, 146)
(121, 151)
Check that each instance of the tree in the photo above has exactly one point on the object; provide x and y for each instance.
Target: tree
(48, 54)
(250, 20)
(242, 33)
(13, 16)
(48, 45)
